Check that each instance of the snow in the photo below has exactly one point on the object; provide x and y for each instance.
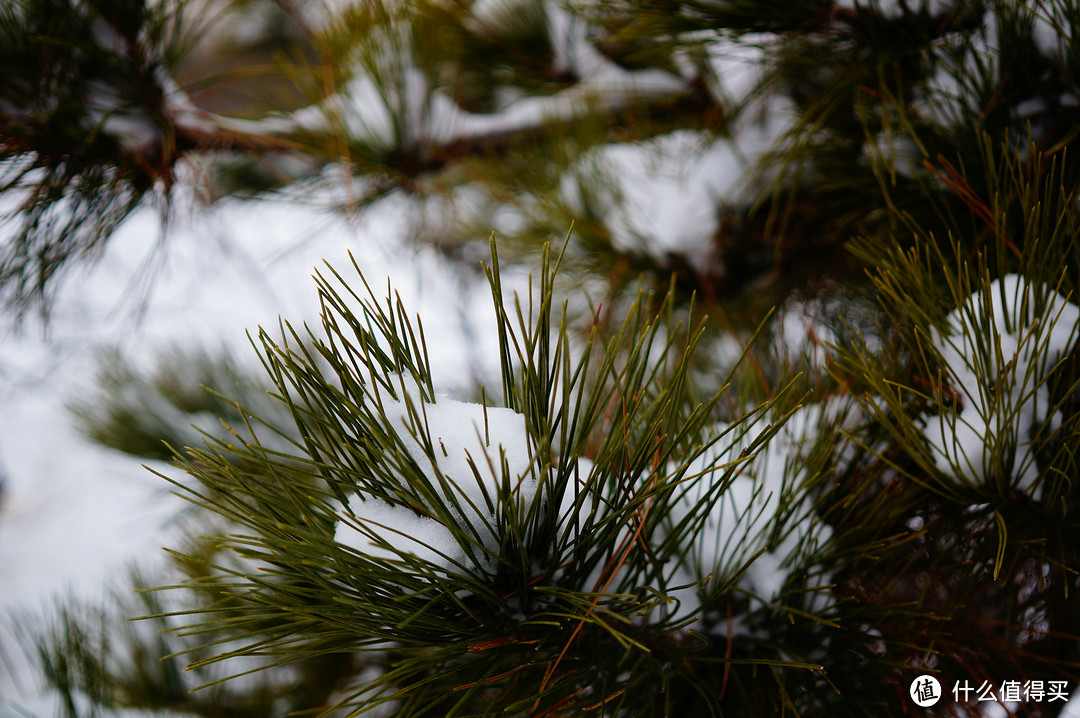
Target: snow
(608, 88)
(950, 99)
(738, 66)
(133, 128)
(764, 506)
(805, 327)
(467, 450)
(51, 705)
(1050, 28)
(897, 152)
(74, 516)
(894, 9)
(663, 196)
(1071, 709)
(60, 526)
(672, 185)
(490, 16)
(1002, 406)
(396, 529)
(370, 108)
(803, 330)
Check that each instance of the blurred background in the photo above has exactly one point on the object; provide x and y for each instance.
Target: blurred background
(174, 172)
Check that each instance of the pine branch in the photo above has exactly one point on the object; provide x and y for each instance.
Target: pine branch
(388, 530)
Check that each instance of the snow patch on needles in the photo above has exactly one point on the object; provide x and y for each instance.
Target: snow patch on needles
(474, 453)
(1001, 347)
(763, 507)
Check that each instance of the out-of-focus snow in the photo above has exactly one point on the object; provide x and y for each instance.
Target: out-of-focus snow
(738, 67)
(1002, 404)
(664, 192)
(74, 517)
(803, 330)
(603, 86)
(896, 8)
(66, 519)
(472, 450)
(105, 112)
(1050, 28)
(950, 98)
(805, 327)
(663, 196)
(1071, 709)
(391, 103)
(47, 705)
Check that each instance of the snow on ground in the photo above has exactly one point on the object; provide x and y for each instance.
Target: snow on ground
(73, 516)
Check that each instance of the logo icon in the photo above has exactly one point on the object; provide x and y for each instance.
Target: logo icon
(925, 691)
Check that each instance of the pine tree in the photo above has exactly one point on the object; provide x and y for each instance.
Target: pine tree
(632, 523)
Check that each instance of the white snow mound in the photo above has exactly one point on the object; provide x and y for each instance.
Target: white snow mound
(463, 437)
(1002, 402)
